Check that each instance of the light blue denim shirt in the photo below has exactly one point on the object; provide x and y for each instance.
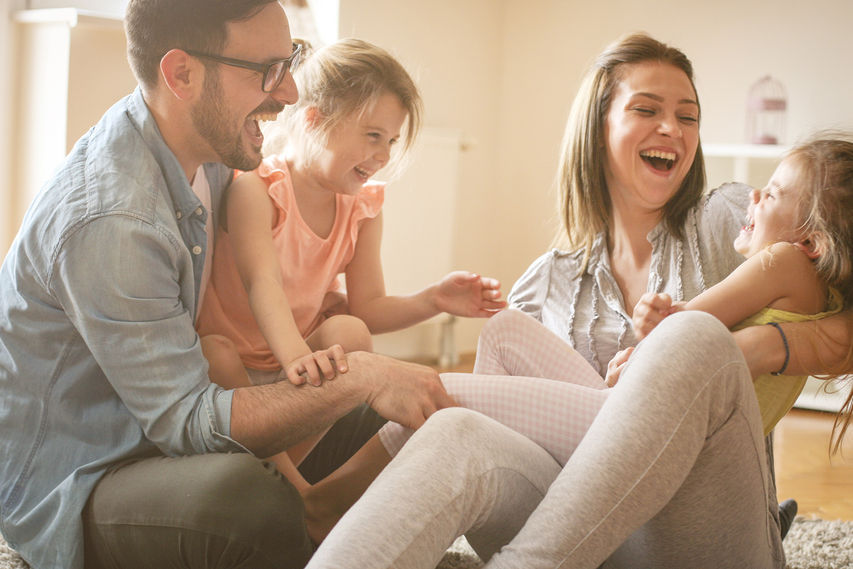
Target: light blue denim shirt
(99, 358)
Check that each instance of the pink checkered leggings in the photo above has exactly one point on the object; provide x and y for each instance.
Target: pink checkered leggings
(527, 378)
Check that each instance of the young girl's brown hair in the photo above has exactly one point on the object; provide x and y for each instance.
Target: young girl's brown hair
(825, 178)
(334, 82)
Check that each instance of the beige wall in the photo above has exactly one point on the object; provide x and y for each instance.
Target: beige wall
(505, 71)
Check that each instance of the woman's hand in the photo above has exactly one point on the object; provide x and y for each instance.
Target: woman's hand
(467, 294)
(316, 366)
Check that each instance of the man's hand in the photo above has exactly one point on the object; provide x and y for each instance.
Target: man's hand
(403, 392)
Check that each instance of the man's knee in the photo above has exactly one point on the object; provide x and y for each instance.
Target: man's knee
(253, 499)
(221, 507)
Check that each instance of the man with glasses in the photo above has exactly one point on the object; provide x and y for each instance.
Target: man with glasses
(117, 449)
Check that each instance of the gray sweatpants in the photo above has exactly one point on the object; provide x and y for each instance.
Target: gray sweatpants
(211, 510)
(671, 473)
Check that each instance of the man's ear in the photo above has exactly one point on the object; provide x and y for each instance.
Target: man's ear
(182, 74)
(814, 245)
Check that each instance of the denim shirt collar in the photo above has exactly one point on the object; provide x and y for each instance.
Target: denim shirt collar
(183, 198)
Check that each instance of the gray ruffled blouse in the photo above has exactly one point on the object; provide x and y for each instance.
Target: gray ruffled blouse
(588, 311)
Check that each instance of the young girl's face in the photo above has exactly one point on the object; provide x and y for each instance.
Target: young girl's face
(359, 146)
(773, 215)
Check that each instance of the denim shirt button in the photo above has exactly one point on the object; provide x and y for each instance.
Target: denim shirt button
(197, 250)
(198, 211)
(178, 214)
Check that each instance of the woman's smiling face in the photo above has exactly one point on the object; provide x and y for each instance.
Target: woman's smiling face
(651, 135)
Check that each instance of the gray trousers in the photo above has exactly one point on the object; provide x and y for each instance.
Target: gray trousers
(672, 472)
(209, 511)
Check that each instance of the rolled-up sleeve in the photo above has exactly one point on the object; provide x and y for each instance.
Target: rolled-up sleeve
(133, 317)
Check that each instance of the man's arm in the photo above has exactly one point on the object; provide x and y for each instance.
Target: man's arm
(267, 419)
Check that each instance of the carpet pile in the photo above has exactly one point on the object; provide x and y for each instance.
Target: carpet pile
(811, 544)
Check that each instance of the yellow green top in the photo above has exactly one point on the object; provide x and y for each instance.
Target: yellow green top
(777, 393)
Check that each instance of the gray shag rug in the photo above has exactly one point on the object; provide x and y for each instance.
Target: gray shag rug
(811, 544)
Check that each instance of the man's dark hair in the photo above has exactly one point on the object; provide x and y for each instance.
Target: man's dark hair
(154, 27)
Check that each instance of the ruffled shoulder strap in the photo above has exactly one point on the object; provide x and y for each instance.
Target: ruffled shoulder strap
(370, 199)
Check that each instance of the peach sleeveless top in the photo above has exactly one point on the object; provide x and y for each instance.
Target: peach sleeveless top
(310, 265)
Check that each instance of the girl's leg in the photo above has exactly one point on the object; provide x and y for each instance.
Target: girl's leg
(348, 331)
(553, 414)
(514, 343)
(352, 334)
(224, 365)
(226, 369)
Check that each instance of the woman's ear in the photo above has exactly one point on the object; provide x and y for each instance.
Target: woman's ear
(814, 245)
(182, 74)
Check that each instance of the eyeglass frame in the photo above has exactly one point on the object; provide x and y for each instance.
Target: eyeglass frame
(290, 63)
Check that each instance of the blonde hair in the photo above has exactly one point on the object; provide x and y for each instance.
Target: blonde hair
(343, 78)
(824, 177)
(584, 201)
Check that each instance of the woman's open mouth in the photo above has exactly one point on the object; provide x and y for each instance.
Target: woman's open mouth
(660, 160)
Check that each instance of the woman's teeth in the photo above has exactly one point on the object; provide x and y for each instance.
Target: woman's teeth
(659, 159)
(361, 172)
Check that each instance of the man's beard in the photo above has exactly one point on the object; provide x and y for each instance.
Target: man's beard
(211, 119)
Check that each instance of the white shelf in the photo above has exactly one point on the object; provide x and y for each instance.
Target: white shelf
(751, 164)
(774, 151)
(815, 395)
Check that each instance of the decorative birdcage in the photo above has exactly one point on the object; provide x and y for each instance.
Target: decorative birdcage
(765, 112)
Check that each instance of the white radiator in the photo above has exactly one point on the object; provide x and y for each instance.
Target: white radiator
(418, 239)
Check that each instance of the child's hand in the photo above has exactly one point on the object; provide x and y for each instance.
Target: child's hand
(616, 365)
(316, 366)
(650, 310)
(468, 294)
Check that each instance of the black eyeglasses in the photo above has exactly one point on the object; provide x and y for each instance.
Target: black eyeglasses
(273, 72)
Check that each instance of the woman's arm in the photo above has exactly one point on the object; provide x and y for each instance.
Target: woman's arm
(250, 219)
(459, 293)
(816, 347)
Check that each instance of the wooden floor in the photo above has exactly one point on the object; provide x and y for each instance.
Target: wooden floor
(823, 488)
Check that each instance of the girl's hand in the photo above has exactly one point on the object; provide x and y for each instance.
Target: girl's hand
(467, 294)
(616, 365)
(316, 366)
(650, 310)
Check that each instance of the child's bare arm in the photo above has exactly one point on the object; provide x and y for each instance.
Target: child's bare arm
(781, 276)
(250, 218)
(460, 293)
